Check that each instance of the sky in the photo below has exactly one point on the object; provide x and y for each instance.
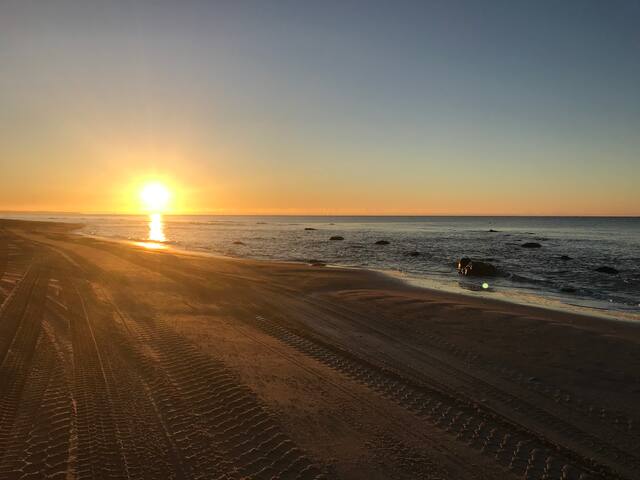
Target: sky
(322, 107)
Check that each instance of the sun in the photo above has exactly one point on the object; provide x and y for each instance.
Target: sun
(155, 197)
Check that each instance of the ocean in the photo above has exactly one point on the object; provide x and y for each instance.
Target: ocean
(422, 250)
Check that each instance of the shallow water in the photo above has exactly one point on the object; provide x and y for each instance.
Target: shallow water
(529, 275)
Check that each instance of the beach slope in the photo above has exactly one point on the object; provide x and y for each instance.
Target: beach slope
(120, 361)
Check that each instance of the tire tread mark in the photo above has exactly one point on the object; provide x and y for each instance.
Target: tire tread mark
(214, 419)
(481, 429)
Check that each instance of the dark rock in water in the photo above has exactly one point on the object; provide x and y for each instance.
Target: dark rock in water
(310, 228)
(608, 270)
(413, 254)
(565, 257)
(491, 230)
(382, 242)
(336, 237)
(568, 290)
(238, 242)
(531, 245)
(474, 268)
(317, 263)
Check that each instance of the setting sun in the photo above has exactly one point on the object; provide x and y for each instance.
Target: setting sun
(155, 197)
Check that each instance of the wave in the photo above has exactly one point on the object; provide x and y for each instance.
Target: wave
(514, 277)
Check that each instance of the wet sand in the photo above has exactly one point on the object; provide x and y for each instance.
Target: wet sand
(124, 362)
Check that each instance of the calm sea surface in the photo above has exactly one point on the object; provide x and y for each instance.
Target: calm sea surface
(537, 276)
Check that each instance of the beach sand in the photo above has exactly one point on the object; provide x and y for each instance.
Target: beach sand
(119, 361)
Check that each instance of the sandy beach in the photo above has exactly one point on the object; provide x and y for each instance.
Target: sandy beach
(119, 361)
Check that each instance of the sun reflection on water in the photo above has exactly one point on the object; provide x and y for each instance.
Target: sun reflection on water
(156, 237)
(156, 228)
(151, 245)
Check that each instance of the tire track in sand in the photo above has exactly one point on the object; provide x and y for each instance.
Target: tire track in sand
(546, 422)
(618, 424)
(214, 420)
(40, 435)
(517, 449)
(20, 326)
(150, 404)
(99, 452)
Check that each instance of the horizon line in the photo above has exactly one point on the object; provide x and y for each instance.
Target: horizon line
(408, 215)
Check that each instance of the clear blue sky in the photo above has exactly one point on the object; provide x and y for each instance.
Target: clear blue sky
(503, 107)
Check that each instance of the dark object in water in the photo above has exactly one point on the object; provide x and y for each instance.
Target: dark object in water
(310, 228)
(317, 263)
(531, 245)
(607, 270)
(413, 254)
(474, 268)
(238, 242)
(336, 237)
(565, 257)
(382, 242)
(568, 290)
(491, 230)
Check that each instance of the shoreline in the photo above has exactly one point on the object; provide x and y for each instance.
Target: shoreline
(432, 283)
(387, 275)
(435, 283)
(532, 300)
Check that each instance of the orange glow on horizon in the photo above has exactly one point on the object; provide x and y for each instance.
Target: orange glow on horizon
(189, 191)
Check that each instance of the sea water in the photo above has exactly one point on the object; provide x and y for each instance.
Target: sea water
(538, 276)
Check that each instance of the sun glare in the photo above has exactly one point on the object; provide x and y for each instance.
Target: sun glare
(155, 197)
